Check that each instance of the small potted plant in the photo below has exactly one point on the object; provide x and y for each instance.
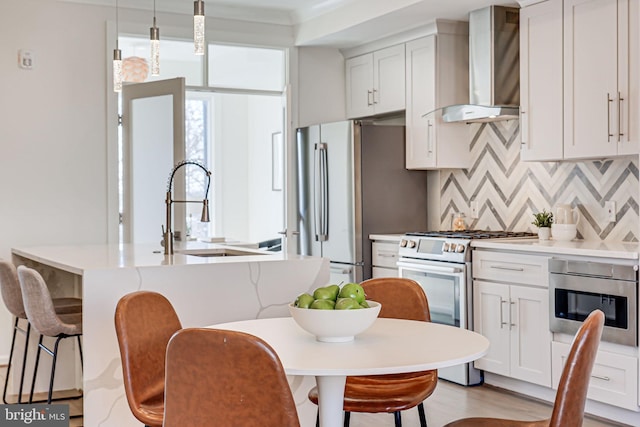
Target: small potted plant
(543, 221)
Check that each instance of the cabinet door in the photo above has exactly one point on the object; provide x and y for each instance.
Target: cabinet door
(359, 86)
(541, 113)
(421, 99)
(530, 336)
(490, 318)
(388, 79)
(590, 88)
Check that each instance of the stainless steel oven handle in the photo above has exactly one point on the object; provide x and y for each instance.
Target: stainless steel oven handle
(428, 268)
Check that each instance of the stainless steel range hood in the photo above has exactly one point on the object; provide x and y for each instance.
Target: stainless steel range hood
(494, 67)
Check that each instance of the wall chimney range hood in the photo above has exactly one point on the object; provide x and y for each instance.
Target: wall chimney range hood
(494, 67)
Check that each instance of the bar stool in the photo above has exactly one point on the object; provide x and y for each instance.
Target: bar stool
(12, 297)
(42, 315)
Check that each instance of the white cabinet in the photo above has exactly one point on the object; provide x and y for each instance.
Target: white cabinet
(541, 110)
(614, 378)
(596, 89)
(437, 75)
(511, 309)
(578, 101)
(384, 259)
(375, 82)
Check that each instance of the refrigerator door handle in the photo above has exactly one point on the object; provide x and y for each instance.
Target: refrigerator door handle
(321, 189)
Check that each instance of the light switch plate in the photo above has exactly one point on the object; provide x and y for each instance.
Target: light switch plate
(474, 209)
(25, 59)
(610, 207)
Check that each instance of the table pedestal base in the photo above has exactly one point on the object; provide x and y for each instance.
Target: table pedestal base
(330, 400)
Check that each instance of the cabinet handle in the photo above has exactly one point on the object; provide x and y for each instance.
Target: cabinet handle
(620, 99)
(374, 96)
(524, 128)
(511, 304)
(609, 101)
(599, 377)
(381, 255)
(502, 322)
(369, 98)
(499, 267)
(429, 140)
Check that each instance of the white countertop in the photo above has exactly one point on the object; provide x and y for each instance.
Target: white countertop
(77, 259)
(388, 237)
(591, 248)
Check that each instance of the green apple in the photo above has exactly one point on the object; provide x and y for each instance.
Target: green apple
(353, 290)
(304, 300)
(329, 292)
(347, 304)
(323, 304)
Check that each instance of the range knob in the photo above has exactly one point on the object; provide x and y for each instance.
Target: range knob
(460, 248)
(445, 247)
(411, 244)
(403, 243)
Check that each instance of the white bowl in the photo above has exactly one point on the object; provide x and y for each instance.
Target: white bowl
(335, 325)
(564, 232)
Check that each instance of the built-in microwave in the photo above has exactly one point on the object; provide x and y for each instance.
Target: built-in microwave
(576, 288)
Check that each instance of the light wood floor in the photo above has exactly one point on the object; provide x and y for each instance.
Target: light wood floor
(449, 402)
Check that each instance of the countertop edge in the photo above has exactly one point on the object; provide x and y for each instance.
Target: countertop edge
(602, 249)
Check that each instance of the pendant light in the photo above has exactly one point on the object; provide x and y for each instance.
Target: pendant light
(198, 27)
(117, 60)
(155, 45)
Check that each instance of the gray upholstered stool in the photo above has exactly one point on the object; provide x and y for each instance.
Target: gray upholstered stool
(12, 297)
(41, 313)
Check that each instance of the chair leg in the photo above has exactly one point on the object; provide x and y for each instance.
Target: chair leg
(35, 370)
(80, 350)
(423, 418)
(318, 418)
(398, 418)
(53, 368)
(347, 418)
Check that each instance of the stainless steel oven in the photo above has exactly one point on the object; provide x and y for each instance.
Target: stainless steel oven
(578, 287)
(441, 263)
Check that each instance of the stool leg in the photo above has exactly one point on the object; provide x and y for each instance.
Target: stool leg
(24, 361)
(347, 418)
(53, 368)
(80, 350)
(398, 418)
(6, 380)
(35, 370)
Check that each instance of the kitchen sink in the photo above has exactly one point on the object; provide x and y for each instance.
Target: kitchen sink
(219, 252)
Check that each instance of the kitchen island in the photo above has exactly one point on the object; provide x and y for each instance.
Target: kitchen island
(204, 287)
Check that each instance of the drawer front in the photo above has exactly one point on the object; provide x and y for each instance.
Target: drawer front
(614, 379)
(384, 272)
(385, 254)
(511, 268)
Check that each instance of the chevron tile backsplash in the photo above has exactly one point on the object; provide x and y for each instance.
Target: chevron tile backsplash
(509, 191)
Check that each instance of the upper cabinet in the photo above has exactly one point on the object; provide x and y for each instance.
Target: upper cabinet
(437, 75)
(541, 116)
(578, 101)
(596, 75)
(375, 82)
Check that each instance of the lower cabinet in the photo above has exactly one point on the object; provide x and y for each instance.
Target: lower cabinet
(384, 259)
(515, 320)
(614, 379)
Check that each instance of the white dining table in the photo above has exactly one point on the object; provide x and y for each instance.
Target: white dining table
(389, 346)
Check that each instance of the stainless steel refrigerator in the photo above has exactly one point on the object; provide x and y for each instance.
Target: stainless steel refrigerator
(352, 182)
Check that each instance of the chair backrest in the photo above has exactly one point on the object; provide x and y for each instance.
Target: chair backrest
(144, 321)
(401, 298)
(38, 303)
(223, 378)
(10, 287)
(568, 409)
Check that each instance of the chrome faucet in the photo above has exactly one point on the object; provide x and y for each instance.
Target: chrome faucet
(167, 234)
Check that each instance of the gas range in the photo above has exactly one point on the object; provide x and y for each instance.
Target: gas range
(450, 246)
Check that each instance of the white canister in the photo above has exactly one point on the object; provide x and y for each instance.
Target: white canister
(565, 214)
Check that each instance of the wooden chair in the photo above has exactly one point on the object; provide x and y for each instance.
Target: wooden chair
(42, 315)
(401, 299)
(568, 408)
(145, 321)
(225, 378)
(12, 297)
